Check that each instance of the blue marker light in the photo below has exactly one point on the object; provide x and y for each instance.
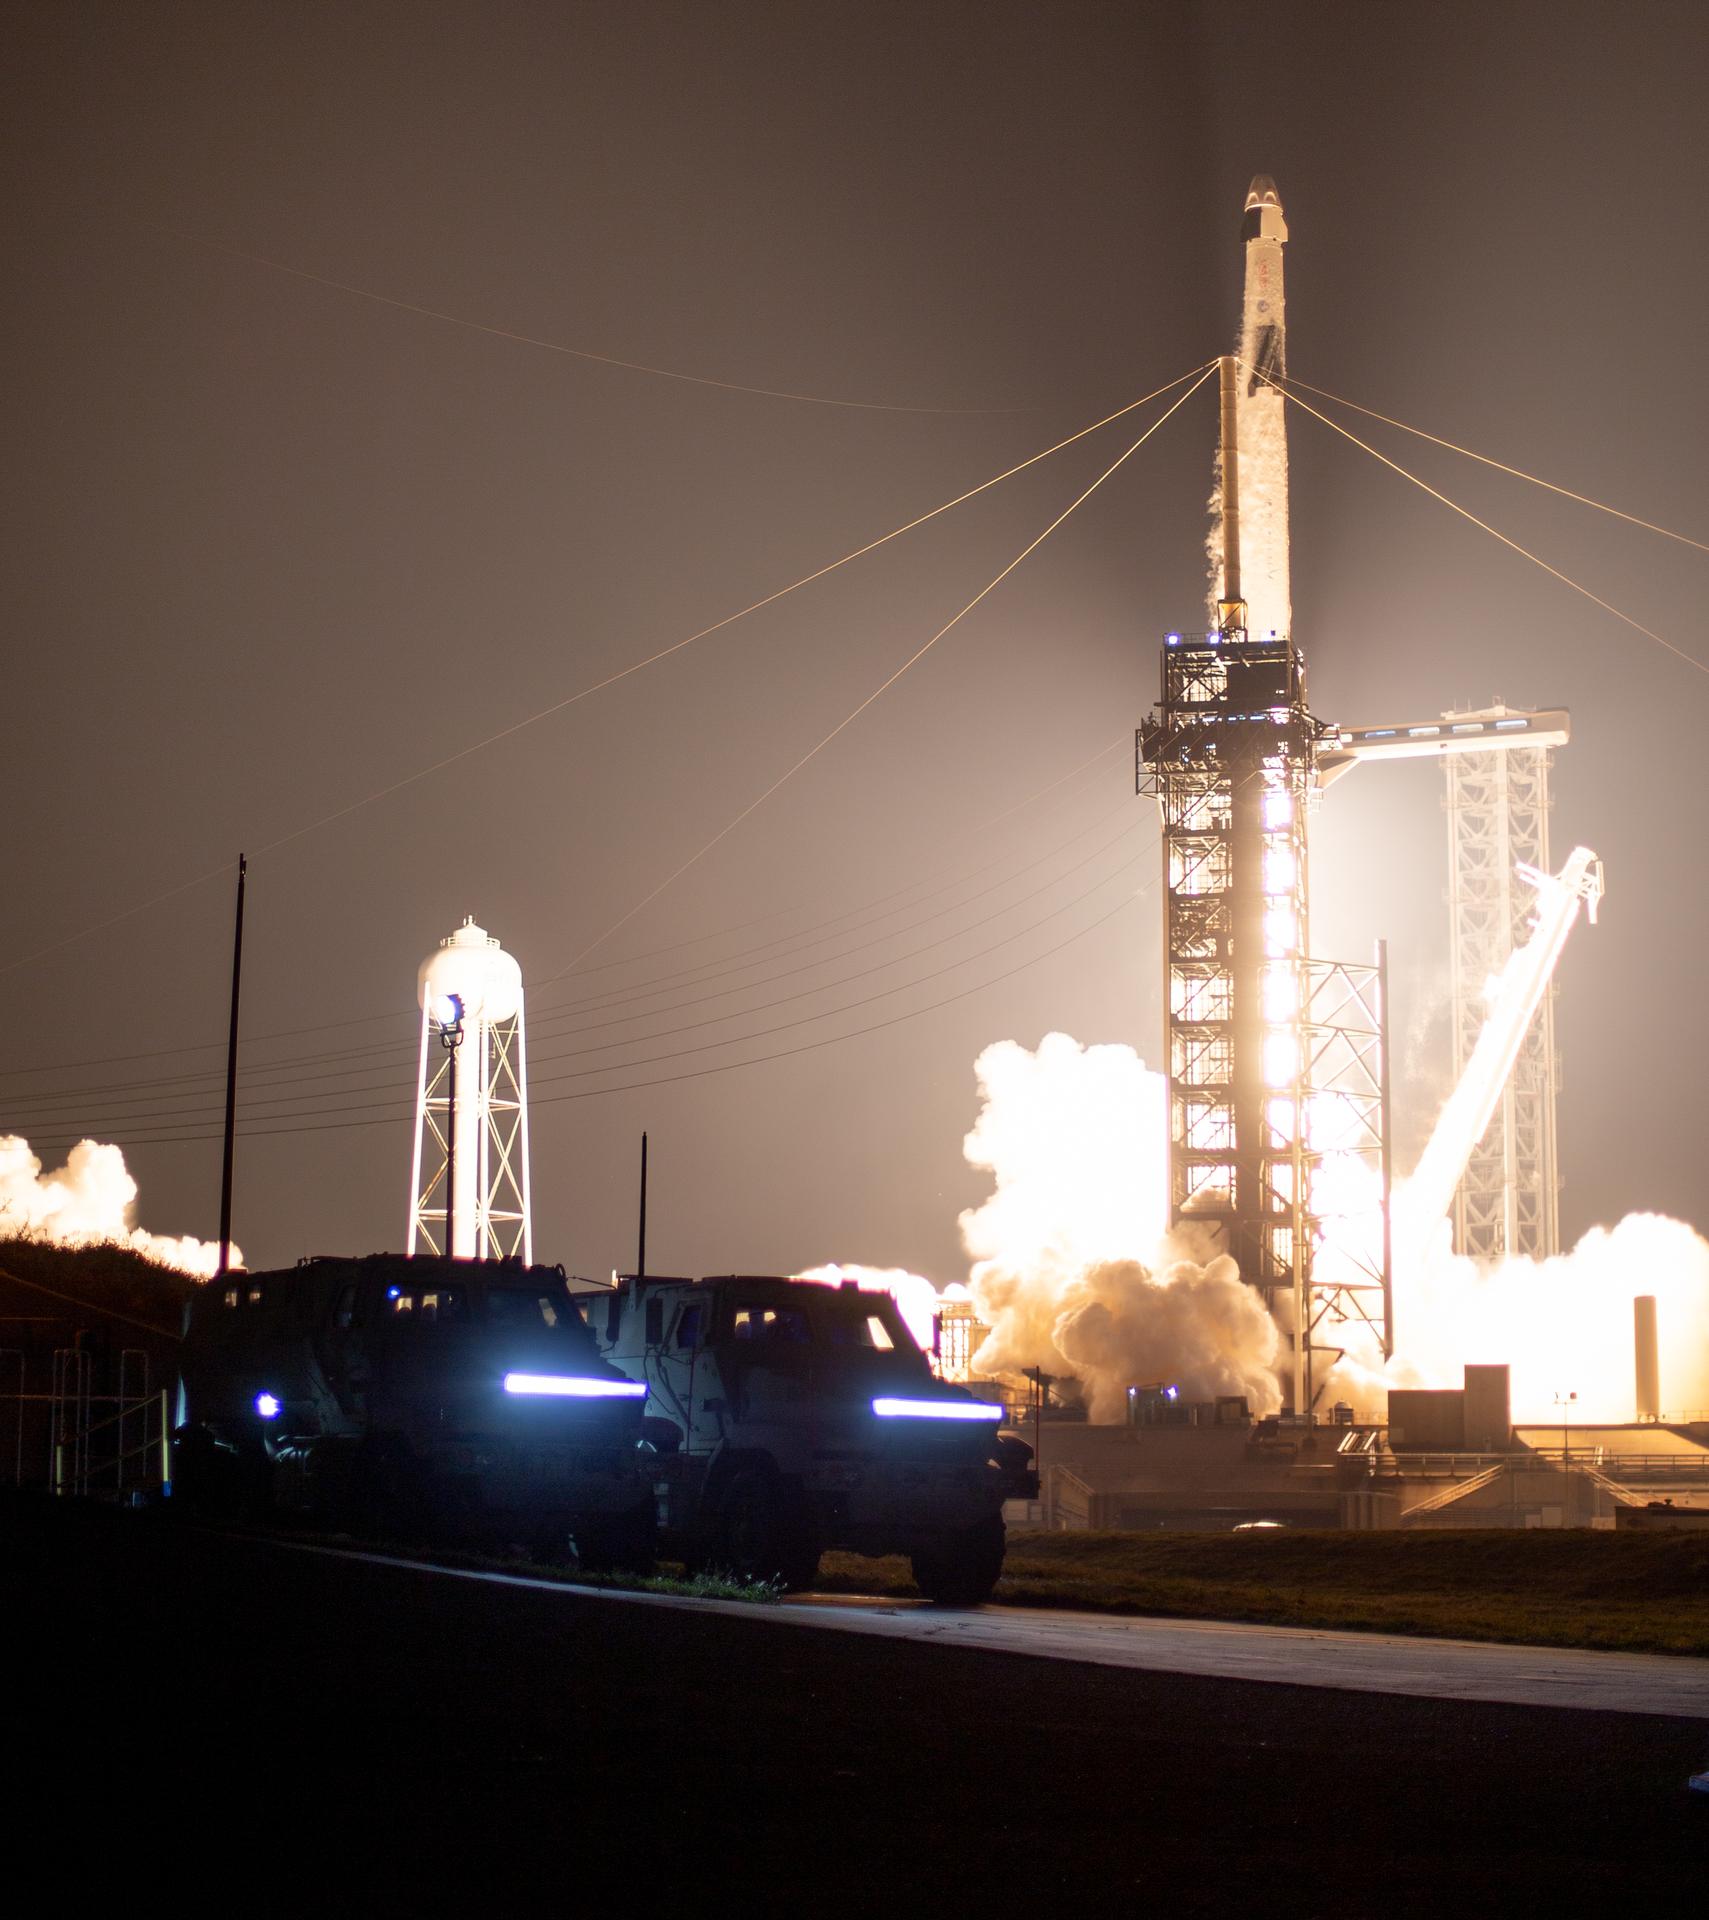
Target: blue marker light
(572, 1386)
(267, 1406)
(888, 1409)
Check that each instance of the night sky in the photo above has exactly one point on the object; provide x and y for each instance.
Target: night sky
(272, 547)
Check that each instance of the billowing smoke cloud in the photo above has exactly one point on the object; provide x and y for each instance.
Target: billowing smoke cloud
(1563, 1326)
(91, 1199)
(1074, 1270)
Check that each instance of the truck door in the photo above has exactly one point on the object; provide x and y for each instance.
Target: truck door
(344, 1354)
(767, 1358)
(677, 1377)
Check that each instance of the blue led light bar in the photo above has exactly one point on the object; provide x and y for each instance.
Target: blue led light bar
(888, 1409)
(572, 1386)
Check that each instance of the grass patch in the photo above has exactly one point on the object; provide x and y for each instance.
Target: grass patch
(1640, 1592)
(669, 1578)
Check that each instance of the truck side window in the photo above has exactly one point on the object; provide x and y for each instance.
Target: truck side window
(655, 1322)
(688, 1327)
(344, 1311)
(613, 1315)
(786, 1326)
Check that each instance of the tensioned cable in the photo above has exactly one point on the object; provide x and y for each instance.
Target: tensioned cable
(267, 1070)
(558, 706)
(1287, 380)
(558, 346)
(121, 1112)
(88, 1306)
(729, 1066)
(1495, 533)
(919, 654)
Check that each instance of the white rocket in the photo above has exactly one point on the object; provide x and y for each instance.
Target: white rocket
(1263, 440)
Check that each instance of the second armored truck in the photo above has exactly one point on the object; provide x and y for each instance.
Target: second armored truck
(463, 1397)
(790, 1417)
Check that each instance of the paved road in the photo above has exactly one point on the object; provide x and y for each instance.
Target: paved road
(228, 1718)
(1227, 1650)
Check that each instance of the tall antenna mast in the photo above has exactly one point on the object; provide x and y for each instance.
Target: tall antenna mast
(231, 1074)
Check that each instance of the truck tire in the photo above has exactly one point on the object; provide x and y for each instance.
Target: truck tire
(766, 1533)
(959, 1569)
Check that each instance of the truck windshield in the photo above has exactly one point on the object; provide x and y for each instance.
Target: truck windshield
(867, 1321)
(526, 1307)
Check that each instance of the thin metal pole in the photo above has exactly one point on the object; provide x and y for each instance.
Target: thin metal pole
(1229, 436)
(1387, 1145)
(450, 1146)
(641, 1247)
(231, 1074)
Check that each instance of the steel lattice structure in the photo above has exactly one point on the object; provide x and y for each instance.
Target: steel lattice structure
(1498, 818)
(1274, 1061)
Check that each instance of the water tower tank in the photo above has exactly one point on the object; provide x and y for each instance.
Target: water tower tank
(472, 965)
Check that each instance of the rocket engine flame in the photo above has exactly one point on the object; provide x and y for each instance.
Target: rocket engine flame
(89, 1201)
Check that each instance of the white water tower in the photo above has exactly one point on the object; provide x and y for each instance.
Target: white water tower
(470, 1166)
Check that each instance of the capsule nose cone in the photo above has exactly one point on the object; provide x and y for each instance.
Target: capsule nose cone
(1262, 193)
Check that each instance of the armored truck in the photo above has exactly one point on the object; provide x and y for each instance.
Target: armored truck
(789, 1417)
(450, 1397)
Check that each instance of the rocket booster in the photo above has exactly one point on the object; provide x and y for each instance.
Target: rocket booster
(1261, 430)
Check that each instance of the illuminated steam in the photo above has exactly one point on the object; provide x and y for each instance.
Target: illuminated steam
(88, 1201)
(1074, 1270)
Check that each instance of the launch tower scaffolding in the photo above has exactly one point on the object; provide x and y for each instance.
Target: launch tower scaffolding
(1498, 818)
(1275, 1062)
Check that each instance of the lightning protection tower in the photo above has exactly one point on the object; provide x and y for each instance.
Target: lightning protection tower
(471, 1110)
(1498, 820)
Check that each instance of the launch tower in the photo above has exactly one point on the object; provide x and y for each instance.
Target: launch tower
(1274, 1061)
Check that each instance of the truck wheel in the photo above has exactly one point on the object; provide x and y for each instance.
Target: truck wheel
(767, 1533)
(960, 1569)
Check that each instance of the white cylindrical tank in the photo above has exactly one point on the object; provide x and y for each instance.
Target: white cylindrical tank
(472, 965)
(1646, 1357)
